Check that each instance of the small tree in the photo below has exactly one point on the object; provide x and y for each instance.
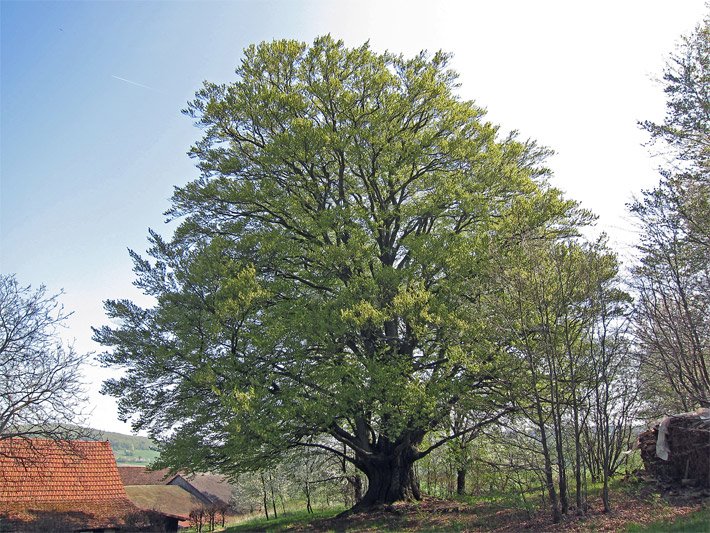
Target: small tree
(41, 393)
(557, 296)
(197, 519)
(221, 509)
(613, 388)
(211, 512)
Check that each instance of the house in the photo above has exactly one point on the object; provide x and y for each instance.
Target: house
(209, 489)
(49, 485)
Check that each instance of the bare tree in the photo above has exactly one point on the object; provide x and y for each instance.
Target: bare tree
(41, 393)
(672, 277)
(673, 303)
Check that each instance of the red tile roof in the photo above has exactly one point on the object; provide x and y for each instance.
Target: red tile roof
(76, 481)
(70, 516)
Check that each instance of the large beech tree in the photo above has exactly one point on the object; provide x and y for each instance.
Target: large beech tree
(324, 286)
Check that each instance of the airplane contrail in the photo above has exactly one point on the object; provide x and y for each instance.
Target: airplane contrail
(135, 83)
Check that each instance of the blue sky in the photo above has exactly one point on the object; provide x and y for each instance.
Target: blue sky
(92, 139)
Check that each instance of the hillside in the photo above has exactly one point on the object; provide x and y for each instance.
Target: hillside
(130, 449)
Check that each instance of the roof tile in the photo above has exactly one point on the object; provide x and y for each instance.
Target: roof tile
(40, 476)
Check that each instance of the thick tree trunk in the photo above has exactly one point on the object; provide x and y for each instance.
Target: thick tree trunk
(390, 479)
(461, 481)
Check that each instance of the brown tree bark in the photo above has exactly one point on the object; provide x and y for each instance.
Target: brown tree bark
(461, 481)
(390, 478)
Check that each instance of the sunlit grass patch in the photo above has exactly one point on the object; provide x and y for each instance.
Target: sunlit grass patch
(695, 522)
(287, 520)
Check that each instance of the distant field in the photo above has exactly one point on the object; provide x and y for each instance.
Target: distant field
(131, 449)
(135, 458)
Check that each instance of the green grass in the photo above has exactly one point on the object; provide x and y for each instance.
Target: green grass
(290, 519)
(135, 457)
(129, 450)
(696, 522)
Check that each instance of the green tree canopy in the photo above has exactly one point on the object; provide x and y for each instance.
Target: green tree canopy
(324, 286)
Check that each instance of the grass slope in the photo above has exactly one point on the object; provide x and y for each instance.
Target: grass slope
(698, 521)
(636, 509)
(298, 520)
(130, 450)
